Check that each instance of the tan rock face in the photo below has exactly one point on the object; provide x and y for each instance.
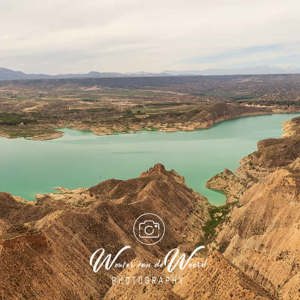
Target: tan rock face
(229, 183)
(292, 127)
(45, 247)
(270, 155)
(262, 237)
(218, 280)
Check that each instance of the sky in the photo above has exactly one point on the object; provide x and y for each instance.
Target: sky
(78, 36)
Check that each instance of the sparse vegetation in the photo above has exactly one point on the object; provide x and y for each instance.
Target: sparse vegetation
(13, 119)
(107, 105)
(218, 215)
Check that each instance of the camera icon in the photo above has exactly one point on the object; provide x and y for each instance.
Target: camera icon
(149, 229)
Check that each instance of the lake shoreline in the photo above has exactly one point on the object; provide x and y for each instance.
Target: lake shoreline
(197, 155)
(104, 131)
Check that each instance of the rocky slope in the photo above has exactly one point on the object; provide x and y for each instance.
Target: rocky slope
(45, 246)
(219, 280)
(262, 235)
(271, 154)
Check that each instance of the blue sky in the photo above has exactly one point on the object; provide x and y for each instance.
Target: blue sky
(63, 36)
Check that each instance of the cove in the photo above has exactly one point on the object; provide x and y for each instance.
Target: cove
(82, 159)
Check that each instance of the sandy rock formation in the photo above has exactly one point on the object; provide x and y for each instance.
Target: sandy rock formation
(262, 236)
(217, 280)
(45, 246)
(271, 154)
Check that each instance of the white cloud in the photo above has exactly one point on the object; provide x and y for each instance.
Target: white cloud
(60, 36)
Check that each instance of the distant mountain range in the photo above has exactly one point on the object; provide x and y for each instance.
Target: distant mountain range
(7, 74)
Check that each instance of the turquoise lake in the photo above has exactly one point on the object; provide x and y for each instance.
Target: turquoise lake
(82, 159)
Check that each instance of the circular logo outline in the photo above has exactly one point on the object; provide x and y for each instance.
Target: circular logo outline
(139, 239)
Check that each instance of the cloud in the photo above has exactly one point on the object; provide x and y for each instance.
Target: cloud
(61, 36)
(235, 53)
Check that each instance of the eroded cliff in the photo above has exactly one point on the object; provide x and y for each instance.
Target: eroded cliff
(262, 234)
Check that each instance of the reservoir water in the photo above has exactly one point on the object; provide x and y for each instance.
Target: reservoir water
(82, 159)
